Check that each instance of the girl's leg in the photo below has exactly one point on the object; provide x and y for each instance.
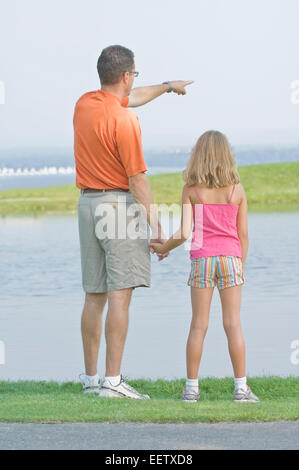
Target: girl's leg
(201, 301)
(231, 303)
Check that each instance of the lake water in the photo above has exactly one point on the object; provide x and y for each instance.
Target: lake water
(41, 301)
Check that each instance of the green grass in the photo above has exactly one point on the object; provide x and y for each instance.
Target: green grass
(272, 186)
(269, 187)
(50, 402)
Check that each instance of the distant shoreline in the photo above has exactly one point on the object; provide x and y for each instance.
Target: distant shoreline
(272, 187)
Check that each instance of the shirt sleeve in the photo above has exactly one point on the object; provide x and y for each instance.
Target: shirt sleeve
(125, 101)
(129, 144)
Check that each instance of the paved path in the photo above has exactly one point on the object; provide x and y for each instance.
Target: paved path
(120, 436)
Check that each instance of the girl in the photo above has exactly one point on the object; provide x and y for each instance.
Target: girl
(215, 201)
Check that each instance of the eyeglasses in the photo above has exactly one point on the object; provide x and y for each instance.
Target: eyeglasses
(136, 74)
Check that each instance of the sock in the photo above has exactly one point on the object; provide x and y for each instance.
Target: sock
(113, 380)
(91, 379)
(192, 385)
(240, 383)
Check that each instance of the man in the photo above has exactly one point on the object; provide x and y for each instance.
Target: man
(110, 172)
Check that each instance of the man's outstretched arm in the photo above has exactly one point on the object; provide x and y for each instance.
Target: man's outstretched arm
(143, 95)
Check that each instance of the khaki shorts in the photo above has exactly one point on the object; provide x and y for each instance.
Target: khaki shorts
(114, 242)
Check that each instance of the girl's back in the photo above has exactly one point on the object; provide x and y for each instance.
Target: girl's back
(215, 223)
(218, 252)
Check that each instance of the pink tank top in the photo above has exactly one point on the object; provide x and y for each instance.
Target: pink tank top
(215, 229)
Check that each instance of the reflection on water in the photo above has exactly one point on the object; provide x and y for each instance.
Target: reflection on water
(41, 302)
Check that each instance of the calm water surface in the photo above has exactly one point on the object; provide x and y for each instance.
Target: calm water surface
(41, 301)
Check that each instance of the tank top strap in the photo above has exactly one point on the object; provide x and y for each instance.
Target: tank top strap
(197, 194)
(232, 194)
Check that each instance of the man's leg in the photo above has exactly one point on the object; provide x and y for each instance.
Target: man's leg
(116, 329)
(91, 327)
(114, 386)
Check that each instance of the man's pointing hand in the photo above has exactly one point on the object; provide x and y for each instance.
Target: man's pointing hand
(179, 86)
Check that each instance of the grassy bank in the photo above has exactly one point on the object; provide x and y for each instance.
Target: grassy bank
(51, 402)
(271, 187)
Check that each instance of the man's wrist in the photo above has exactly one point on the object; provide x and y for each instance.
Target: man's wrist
(169, 85)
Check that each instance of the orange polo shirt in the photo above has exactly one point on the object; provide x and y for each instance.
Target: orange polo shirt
(107, 142)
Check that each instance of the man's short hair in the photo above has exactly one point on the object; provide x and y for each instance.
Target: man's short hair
(113, 62)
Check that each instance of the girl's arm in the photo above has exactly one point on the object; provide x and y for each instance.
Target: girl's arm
(179, 237)
(242, 225)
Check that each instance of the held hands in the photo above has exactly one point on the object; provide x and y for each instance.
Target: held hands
(179, 86)
(156, 246)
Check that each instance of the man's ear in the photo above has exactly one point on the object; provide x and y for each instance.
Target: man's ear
(125, 78)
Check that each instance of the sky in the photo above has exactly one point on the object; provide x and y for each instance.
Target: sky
(242, 55)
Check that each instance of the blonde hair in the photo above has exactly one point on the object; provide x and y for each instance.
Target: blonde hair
(211, 162)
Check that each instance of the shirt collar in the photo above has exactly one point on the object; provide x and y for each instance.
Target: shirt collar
(108, 94)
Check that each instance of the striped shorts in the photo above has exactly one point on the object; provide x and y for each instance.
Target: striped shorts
(223, 271)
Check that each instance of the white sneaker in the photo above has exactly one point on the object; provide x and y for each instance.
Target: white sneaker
(90, 386)
(245, 396)
(190, 396)
(122, 390)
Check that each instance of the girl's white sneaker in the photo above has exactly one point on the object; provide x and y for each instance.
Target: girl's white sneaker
(190, 396)
(245, 396)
